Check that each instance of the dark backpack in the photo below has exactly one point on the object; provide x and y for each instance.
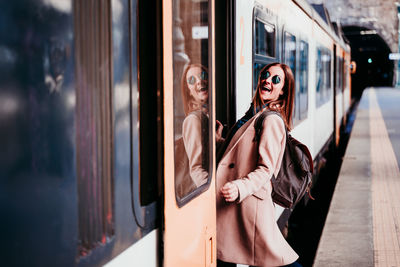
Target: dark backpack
(295, 175)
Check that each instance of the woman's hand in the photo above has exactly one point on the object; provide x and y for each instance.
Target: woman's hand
(230, 192)
(218, 131)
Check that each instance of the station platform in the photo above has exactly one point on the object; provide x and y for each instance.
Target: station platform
(363, 224)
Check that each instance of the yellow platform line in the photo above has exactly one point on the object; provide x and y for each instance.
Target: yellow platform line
(385, 190)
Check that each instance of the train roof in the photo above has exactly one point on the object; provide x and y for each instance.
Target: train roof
(320, 15)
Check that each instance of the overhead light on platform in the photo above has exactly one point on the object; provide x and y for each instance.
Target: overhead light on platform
(371, 19)
(368, 32)
(394, 56)
(269, 28)
(200, 32)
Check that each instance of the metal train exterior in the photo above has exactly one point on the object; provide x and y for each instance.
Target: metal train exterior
(90, 111)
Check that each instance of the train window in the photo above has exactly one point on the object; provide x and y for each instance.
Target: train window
(192, 98)
(94, 124)
(345, 73)
(290, 51)
(337, 82)
(265, 39)
(342, 66)
(264, 43)
(256, 70)
(323, 75)
(339, 75)
(302, 96)
(289, 58)
(326, 60)
(319, 77)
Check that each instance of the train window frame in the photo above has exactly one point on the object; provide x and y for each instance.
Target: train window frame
(182, 201)
(259, 61)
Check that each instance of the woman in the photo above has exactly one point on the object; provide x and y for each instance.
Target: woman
(246, 226)
(194, 151)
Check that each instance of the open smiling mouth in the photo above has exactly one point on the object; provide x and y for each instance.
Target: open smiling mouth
(265, 88)
(202, 89)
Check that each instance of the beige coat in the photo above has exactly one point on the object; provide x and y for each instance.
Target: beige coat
(247, 232)
(195, 149)
(189, 152)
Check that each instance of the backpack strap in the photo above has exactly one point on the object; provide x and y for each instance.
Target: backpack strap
(259, 123)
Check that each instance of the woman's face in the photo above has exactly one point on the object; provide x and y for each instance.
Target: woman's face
(197, 82)
(272, 82)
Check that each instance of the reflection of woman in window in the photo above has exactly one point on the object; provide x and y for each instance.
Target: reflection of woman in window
(195, 133)
(194, 86)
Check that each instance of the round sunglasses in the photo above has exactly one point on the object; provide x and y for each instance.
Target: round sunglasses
(192, 79)
(275, 79)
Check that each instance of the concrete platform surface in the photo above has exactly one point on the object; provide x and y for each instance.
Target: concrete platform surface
(363, 224)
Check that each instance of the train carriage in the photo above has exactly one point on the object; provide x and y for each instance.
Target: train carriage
(92, 113)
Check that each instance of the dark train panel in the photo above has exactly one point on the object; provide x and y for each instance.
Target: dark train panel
(91, 110)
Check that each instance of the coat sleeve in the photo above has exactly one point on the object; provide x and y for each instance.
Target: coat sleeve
(191, 133)
(270, 152)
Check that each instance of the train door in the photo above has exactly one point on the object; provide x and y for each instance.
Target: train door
(189, 204)
(136, 49)
(82, 166)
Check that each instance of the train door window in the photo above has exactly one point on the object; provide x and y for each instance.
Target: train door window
(192, 98)
(303, 80)
(264, 39)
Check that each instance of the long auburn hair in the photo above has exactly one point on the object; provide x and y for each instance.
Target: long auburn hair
(189, 104)
(284, 104)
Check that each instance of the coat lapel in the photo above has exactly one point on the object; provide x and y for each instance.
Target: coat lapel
(238, 135)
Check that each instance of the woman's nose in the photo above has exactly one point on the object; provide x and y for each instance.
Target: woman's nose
(198, 81)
